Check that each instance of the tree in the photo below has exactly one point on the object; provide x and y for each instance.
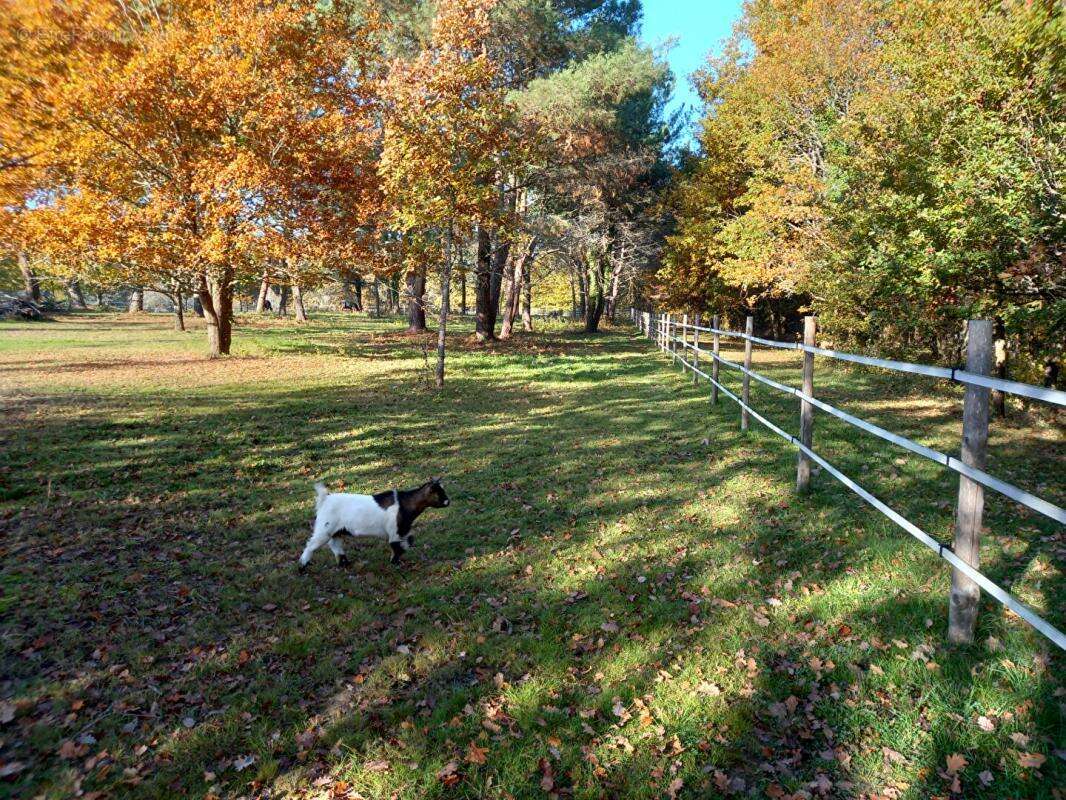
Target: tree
(198, 127)
(448, 131)
(603, 118)
(893, 167)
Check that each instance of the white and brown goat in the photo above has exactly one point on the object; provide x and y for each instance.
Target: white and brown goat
(386, 515)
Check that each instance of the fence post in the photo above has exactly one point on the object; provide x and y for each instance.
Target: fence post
(696, 350)
(666, 333)
(965, 594)
(803, 467)
(684, 339)
(749, 328)
(714, 361)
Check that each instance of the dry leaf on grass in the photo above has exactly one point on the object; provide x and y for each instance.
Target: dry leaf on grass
(1031, 760)
(956, 763)
(476, 755)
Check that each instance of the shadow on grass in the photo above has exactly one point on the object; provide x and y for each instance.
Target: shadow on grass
(151, 563)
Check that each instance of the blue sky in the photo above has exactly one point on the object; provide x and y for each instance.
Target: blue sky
(698, 26)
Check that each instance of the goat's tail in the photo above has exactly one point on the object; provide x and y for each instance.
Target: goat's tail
(321, 493)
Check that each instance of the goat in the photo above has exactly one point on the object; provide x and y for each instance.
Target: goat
(386, 515)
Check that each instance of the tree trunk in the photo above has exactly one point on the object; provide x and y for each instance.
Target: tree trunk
(416, 300)
(282, 309)
(999, 399)
(216, 297)
(612, 298)
(136, 301)
(75, 295)
(595, 294)
(503, 253)
(507, 321)
(1052, 370)
(357, 287)
(394, 294)
(527, 298)
(499, 268)
(582, 292)
(462, 287)
(573, 297)
(264, 290)
(179, 310)
(377, 297)
(298, 302)
(485, 323)
(514, 292)
(445, 291)
(32, 283)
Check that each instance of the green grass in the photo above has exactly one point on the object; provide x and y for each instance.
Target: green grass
(625, 599)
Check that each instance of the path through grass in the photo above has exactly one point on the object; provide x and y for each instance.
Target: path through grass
(624, 600)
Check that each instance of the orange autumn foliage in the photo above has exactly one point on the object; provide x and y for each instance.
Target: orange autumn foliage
(200, 134)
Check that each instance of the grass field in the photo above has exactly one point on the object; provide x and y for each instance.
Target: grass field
(625, 599)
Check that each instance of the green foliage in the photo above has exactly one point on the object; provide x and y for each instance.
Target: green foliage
(899, 165)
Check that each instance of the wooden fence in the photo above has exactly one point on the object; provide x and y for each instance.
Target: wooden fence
(680, 339)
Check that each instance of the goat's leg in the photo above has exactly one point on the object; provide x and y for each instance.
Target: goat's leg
(338, 551)
(321, 535)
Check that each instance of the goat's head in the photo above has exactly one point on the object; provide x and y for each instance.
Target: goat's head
(436, 496)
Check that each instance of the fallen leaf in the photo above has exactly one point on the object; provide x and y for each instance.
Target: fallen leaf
(721, 780)
(893, 755)
(449, 773)
(985, 724)
(955, 764)
(675, 786)
(985, 777)
(475, 754)
(71, 749)
(1031, 760)
(547, 775)
(241, 763)
(377, 765)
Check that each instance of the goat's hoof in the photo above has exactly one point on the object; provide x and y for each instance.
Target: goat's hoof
(301, 569)
(343, 561)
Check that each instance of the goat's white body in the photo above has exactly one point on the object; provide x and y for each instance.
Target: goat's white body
(357, 514)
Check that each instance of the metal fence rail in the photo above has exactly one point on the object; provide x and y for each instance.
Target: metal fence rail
(664, 328)
(1042, 393)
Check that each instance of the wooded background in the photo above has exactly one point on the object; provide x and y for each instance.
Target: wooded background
(895, 168)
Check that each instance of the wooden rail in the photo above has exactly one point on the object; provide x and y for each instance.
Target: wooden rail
(967, 580)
